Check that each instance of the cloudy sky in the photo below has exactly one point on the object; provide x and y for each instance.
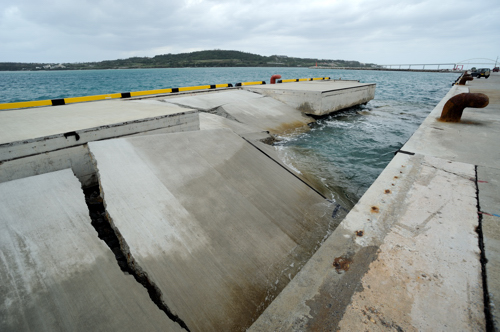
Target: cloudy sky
(378, 31)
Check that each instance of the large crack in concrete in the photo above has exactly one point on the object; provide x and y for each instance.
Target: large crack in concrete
(490, 327)
(107, 232)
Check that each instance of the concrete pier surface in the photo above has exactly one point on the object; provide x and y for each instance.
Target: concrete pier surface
(408, 256)
(47, 139)
(205, 214)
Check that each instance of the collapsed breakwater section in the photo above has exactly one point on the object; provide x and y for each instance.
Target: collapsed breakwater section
(207, 217)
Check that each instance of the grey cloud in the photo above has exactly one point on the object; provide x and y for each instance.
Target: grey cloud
(364, 30)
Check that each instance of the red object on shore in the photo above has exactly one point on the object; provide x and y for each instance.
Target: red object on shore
(274, 78)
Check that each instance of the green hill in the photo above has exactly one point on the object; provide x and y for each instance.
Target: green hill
(213, 58)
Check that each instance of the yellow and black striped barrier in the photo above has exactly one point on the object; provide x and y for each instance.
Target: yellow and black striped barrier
(250, 83)
(303, 79)
(64, 101)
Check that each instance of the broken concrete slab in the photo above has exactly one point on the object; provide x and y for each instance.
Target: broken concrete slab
(252, 109)
(216, 225)
(77, 158)
(41, 140)
(41, 122)
(56, 275)
(212, 99)
(212, 121)
(406, 251)
(261, 140)
(318, 97)
(270, 115)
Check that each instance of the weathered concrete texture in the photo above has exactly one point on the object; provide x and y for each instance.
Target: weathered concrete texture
(269, 115)
(404, 258)
(491, 234)
(473, 140)
(212, 121)
(219, 227)
(489, 203)
(55, 274)
(38, 130)
(427, 275)
(251, 109)
(489, 189)
(318, 97)
(262, 141)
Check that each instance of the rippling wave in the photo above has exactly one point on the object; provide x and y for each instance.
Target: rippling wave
(347, 150)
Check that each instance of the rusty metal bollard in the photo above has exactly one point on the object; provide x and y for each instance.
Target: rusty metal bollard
(274, 78)
(465, 78)
(454, 107)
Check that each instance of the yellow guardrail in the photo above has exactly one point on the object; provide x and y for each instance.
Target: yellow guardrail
(64, 101)
(303, 79)
(250, 83)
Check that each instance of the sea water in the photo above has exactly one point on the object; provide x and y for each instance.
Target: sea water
(346, 151)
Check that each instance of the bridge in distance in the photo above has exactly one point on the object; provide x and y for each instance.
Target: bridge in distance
(461, 65)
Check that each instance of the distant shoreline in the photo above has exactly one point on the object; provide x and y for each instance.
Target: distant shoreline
(204, 59)
(393, 69)
(111, 68)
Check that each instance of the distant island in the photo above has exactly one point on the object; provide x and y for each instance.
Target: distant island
(213, 58)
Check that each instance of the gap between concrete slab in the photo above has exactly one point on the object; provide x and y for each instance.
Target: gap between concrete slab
(316, 191)
(490, 327)
(111, 236)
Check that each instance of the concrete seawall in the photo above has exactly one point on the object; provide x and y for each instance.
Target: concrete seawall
(419, 252)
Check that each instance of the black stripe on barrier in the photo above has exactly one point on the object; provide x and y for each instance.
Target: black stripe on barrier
(126, 95)
(238, 84)
(296, 80)
(280, 81)
(263, 82)
(212, 86)
(310, 79)
(58, 102)
(229, 85)
(175, 90)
